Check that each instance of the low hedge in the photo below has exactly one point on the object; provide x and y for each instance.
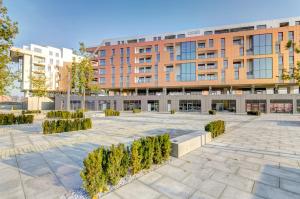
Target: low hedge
(216, 128)
(172, 111)
(59, 126)
(212, 112)
(104, 167)
(31, 111)
(9, 119)
(136, 110)
(111, 112)
(253, 112)
(65, 114)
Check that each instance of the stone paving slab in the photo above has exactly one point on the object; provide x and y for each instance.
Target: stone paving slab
(258, 157)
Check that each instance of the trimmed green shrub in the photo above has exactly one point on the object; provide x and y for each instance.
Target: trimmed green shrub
(147, 150)
(59, 126)
(125, 163)
(31, 111)
(65, 114)
(157, 156)
(136, 156)
(172, 111)
(9, 119)
(114, 163)
(216, 128)
(136, 110)
(93, 175)
(103, 167)
(111, 112)
(253, 113)
(212, 112)
(165, 145)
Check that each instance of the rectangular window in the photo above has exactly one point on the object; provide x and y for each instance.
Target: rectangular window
(156, 48)
(157, 57)
(128, 51)
(225, 64)
(201, 44)
(212, 76)
(129, 70)
(56, 54)
(291, 60)
(291, 35)
(280, 60)
(241, 51)
(280, 36)
(262, 44)
(222, 53)
(128, 60)
(201, 67)
(210, 43)
(102, 62)
(236, 66)
(102, 71)
(222, 43)
(211, 55)
(201, 77)
(187, 51)
(113, 52)
(201, 56)
(167, 77)
(102, 80)
(122, 51)
(260, 68)
(102, 53)
(187, 72)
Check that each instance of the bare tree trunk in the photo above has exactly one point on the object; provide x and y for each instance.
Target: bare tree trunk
(83, 104)
(68, 92)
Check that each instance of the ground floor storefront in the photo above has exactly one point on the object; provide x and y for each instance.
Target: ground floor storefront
(276, 103)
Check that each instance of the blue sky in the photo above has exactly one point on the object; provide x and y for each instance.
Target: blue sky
(63, 23)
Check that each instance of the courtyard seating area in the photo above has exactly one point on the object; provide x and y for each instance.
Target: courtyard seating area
(257, 157)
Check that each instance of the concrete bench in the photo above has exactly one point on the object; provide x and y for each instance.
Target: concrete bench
(186, 143)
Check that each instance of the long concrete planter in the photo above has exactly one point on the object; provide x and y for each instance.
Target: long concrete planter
(186, 143)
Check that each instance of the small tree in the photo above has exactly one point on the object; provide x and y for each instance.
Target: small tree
(82, 74)
(38, 83)
(294, 73)
(8, 31)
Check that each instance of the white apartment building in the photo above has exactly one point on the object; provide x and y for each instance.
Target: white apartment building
(35, 60)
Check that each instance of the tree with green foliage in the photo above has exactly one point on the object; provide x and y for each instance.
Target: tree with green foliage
(136, 156)
(39, 89)
(293, 73)
(8, 31)
(82, 74)
(93, 176)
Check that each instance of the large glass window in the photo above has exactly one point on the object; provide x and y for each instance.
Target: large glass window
(190, 105)
(261, 68)
(262, 44)
(187, 72)
(132, 104)
(187, 51)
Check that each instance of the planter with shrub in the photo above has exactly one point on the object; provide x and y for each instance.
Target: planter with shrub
(253, 112)
(136, 110)
(172, 111)
(59, 126)
(31, 111)
(104, 167)
(212, 112)
(9, 119)
(111, 112)
(65, 114)
(216, 128)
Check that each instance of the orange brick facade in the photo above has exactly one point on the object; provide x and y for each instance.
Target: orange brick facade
(232, 55)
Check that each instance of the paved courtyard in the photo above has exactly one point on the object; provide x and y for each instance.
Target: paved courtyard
(258, 157)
